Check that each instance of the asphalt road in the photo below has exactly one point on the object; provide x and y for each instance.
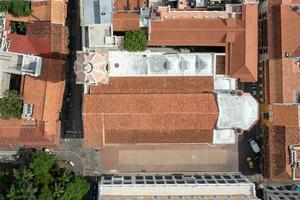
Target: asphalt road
(72, 106)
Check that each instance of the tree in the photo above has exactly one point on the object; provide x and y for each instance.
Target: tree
(42, 178)
(76, 190)
(22, 187)
(135, 41)
(4, 6)
(41, 163)
(45, 193)
(11, 105)
(19, 8)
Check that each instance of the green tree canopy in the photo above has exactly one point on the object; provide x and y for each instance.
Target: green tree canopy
(43, 179)
(11, 105)
(135, 41)
(76, 190)
(41, 163)
(18, 8)
(45, 193)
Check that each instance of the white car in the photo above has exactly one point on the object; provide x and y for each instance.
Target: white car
(254, 146)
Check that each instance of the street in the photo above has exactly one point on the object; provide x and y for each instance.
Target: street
(71, 111)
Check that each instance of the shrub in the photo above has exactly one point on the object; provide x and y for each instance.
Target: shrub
(11, 105)
(18, 28)
(135, 41)
(19, 8)
(4, 6)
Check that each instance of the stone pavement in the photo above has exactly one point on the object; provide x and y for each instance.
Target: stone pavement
(86, 160)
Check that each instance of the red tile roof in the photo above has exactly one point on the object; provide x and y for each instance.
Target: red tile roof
(155, 85)
(135, 112)
(129, 5)
(277, 157)
(239, 36)
(43, 39)
(286, 115)
(47, 11)
(45, 93)
(126, 21)
(283, 81)
(283, 31)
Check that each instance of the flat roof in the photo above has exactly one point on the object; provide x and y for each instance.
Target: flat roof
(237, 111)
(97, 12)
(16, 63)
(122, 63)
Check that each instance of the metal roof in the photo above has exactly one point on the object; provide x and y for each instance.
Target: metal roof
(97, 12)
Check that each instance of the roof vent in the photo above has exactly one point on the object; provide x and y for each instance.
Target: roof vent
(287, 54)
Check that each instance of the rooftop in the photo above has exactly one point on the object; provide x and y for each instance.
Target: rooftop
(20, 64)
(44, 129)
(96, 12)
(235, 33)
(42, 39)
(122, 63)
(168, 186)
(52, 11)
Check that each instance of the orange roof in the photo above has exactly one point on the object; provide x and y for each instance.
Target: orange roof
(283, 81)
(283, 30)
(126, 21)
(43, 39)
(45, 93)
(52, 11)
(130, 110)
(155, 85)
(239, 36)
(128, 5)
(277, 157)
(286, 115)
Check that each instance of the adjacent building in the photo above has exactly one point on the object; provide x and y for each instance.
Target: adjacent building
(186, 186)
(32, 63)
(279, 60)
(282, 191)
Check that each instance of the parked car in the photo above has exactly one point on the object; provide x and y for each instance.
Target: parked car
(254, 146)
(250, 162)
(95, 188)
(71, 163)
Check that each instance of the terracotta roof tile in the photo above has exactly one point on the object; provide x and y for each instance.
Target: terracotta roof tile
(45, 92)
(283, 31)
(150, 103)
(43, 39)
(128, 5)
(170, 136)
(155, 85)
(48, 11)
(278, 138)
(123, 118)
(243, 44)
(286, 115)
(126, 21)
(283, 80)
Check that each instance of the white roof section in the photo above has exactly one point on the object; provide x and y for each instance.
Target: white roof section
(96, 11)
(90, 68)
(15, 63)
(225, 136)
(236, 111)
(176, 185)
(224, 83)
(128, 64)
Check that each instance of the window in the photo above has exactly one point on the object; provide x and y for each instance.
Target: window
(298, 97)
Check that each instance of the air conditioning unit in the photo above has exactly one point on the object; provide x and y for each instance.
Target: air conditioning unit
(27, 111)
